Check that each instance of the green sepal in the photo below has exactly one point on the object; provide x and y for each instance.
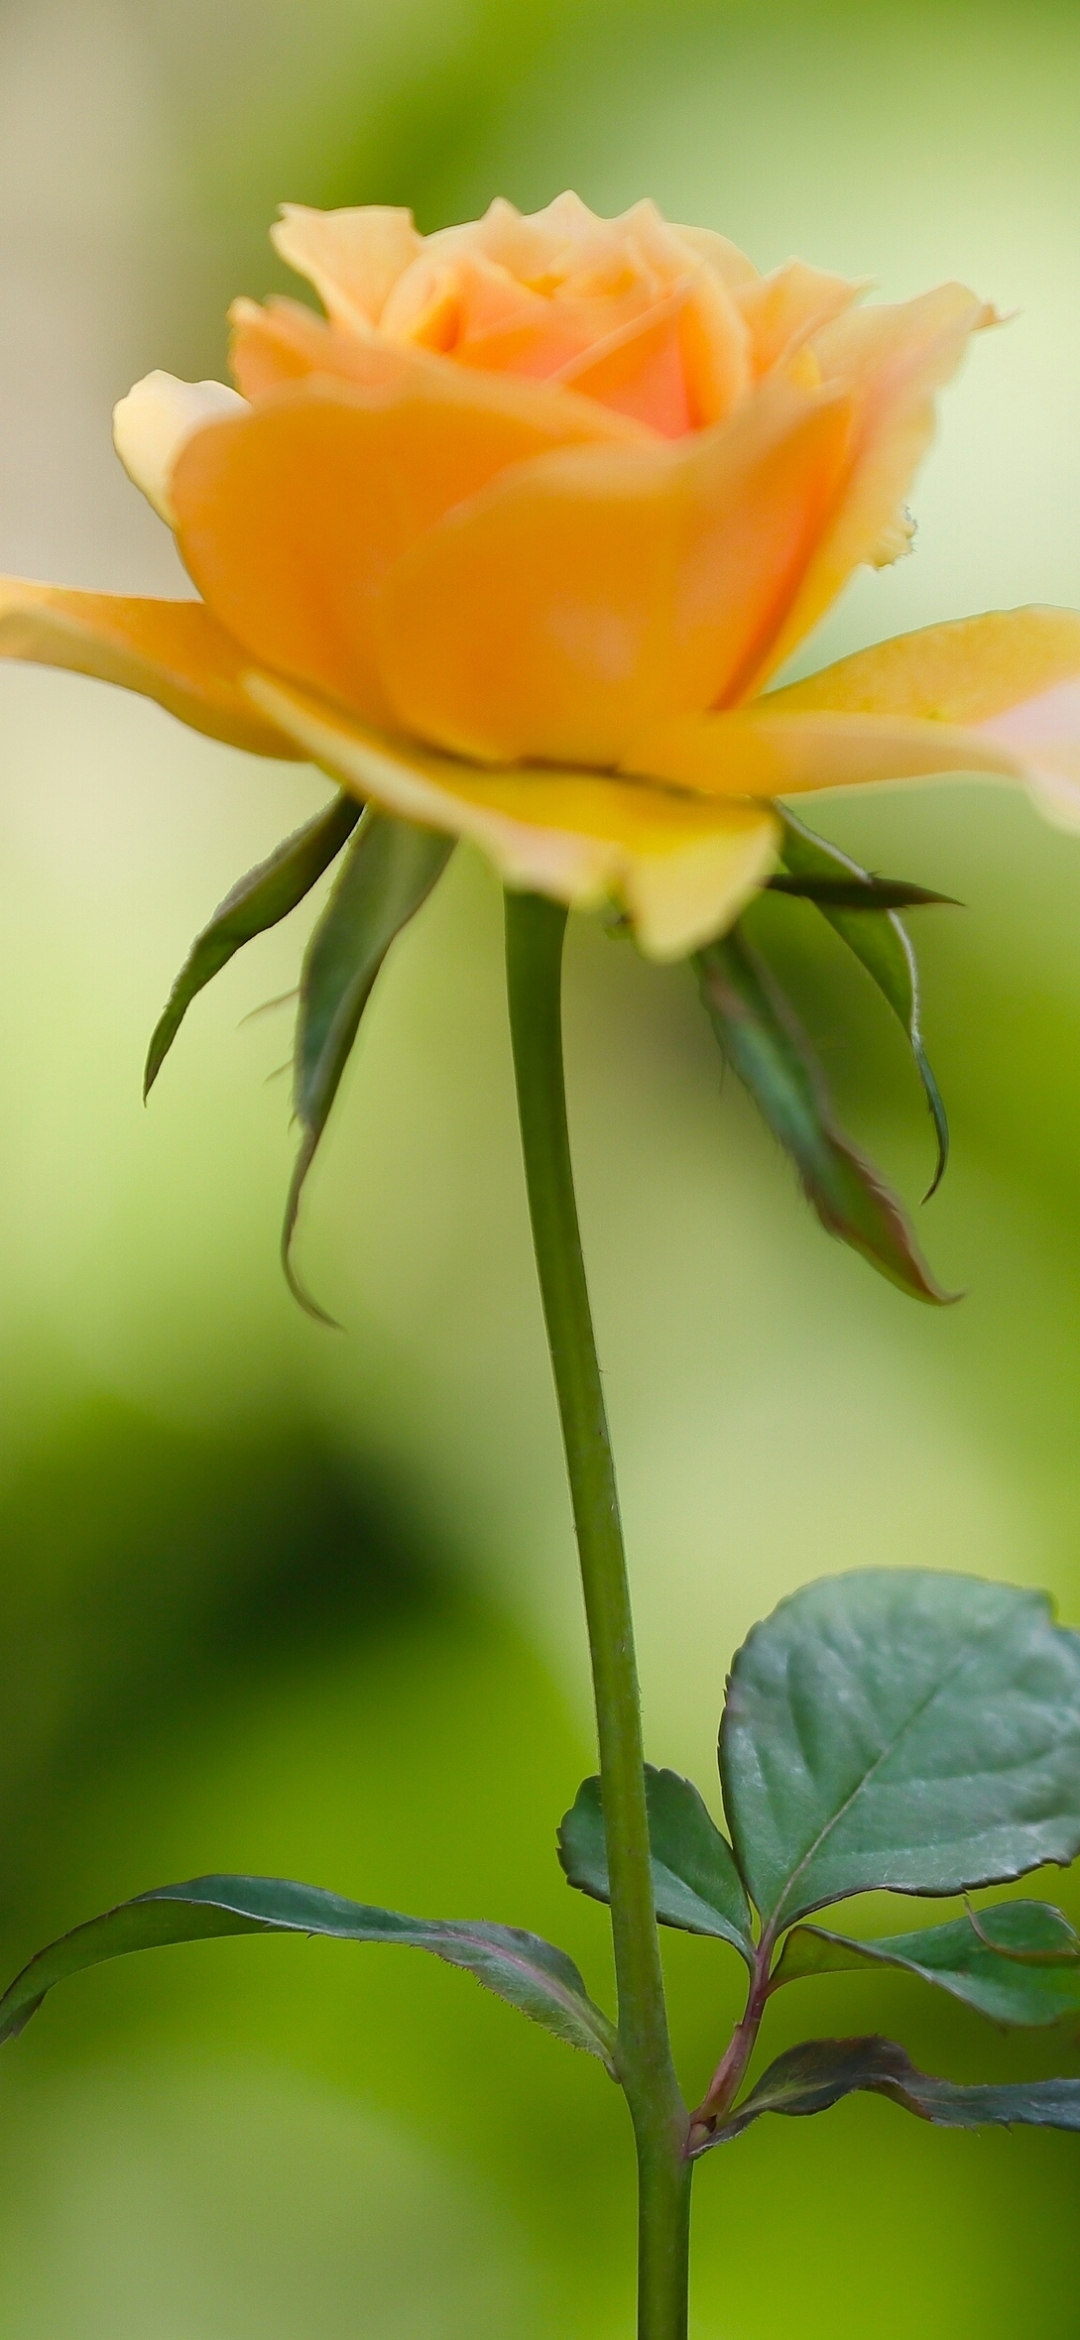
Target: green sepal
(881, 942)
(696, 1885)
(388, 872)
(1018, 1963)
(528, 1973)
(858, 893)
(258, 901)
(764, 1043)
(900, 1728)
(810, 2078)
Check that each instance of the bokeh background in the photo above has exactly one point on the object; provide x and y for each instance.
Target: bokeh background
(283, 1600)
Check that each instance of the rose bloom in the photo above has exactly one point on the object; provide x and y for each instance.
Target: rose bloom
(513, 540)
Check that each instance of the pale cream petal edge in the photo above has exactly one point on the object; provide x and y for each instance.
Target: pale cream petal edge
(682, 869)
(1042, 736)
(155, 420)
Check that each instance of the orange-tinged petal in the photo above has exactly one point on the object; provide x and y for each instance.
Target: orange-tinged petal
(280, 342)
(586, 595)
(893, 360)
(291, 515)
(171, 651)
(679, 368)
(714, 346)
(626, 347)
(632, 299)
(682, 869)
(353, 258)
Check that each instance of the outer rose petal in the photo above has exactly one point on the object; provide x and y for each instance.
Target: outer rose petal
(1012, 677)
(967, 671)
(353, 258)
(682, 869)
(586, 595)
(753, 753)
(153, 423)
(999, 694)
(171, 651)
(893, 359)
(291, 516)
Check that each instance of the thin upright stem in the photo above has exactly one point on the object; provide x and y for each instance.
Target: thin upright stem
(534, 942)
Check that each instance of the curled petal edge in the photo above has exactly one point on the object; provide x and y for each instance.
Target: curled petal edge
(153, 424)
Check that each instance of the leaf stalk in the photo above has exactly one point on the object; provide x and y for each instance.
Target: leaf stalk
(728, 2077)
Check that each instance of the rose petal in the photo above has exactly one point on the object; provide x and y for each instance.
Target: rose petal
(153, 423)
(280, 342)
(527, 243)
(893, 359)
(291, 515)
(585, 595)
(783, 309)
(541, 295)
(353, 258)
(720, 254)
(171, 651)
(679, 368)
(964, 672)
(1043, 736)
(682, 870)
(1012, 677)
(752, 752)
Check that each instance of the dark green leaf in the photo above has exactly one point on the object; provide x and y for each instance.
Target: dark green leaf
(810, 2078)
(1018, 1963)
(530, 1974)
(858, 893)
(257, 901)
(900, 1728)
(881, 943)
(696, 1884)
(388, 872)
(762, 1041)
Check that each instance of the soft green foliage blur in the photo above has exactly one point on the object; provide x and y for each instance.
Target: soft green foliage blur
(285, 1600)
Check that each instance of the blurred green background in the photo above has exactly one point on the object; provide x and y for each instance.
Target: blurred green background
(281, 1600)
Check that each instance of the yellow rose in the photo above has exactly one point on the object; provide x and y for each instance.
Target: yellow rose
(513, 540)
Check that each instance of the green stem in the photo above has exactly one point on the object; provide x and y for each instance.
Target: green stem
(534, 941)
